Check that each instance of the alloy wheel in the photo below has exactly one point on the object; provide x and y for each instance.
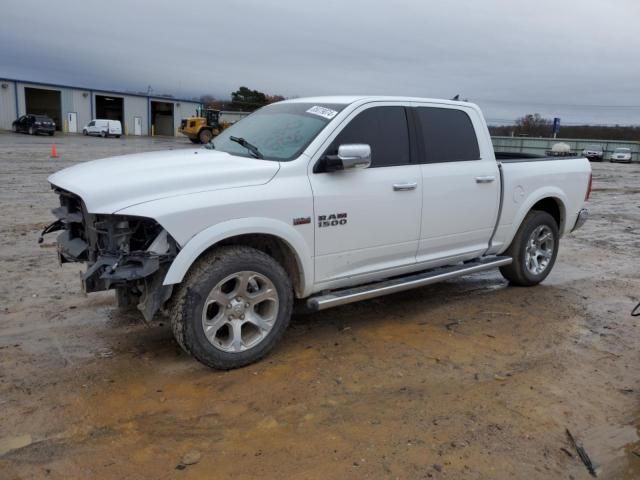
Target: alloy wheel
(539, 250)
(240, 311)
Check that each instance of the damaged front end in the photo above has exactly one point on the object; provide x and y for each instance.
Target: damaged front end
(125, 253)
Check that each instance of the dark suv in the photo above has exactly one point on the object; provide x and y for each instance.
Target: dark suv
(34, 124)
(593, 152)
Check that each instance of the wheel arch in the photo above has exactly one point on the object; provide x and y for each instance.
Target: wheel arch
(552, 201)
(554, 207)
(272, 237)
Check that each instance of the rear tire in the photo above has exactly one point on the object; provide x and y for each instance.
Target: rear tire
(534, 250)
(232, 308)
(205, 136)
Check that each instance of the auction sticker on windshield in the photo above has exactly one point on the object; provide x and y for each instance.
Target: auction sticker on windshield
(322, 112)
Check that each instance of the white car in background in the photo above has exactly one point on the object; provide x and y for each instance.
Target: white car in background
(622, 155)
(104, 128)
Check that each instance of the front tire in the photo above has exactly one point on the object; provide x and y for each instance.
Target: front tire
(232, 307)
(103, 134)
(205, 136)
(534, 250)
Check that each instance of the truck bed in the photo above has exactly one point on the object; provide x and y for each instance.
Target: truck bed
(514, 157)
(525, 178)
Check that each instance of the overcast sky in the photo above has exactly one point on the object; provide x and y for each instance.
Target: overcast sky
(576, 59)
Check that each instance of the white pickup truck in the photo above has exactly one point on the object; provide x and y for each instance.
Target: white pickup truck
(323, 201)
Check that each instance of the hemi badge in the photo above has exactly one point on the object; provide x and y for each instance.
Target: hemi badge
(302, 221)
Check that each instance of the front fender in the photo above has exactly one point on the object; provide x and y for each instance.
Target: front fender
(243, 226)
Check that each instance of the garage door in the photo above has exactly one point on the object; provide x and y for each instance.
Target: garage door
(162, 118)
(39, 101)
(110, 108)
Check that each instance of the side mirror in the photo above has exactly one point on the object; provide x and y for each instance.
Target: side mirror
(356, 155)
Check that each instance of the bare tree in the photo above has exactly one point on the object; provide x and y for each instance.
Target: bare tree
(274, 98)
(593, 132)
(534, 125)
(208, 100)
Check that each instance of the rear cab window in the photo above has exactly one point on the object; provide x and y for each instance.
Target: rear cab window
(447, 135)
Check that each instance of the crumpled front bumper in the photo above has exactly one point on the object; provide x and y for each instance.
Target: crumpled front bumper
(583, 216)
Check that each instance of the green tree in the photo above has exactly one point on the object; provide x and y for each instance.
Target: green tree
(246, 99)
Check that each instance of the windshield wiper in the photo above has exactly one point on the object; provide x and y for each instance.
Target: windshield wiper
(252, 148)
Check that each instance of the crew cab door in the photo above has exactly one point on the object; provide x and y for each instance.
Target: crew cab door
(461, 183)
(368, 220)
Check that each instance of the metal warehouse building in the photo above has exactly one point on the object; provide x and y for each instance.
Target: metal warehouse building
(73, 107)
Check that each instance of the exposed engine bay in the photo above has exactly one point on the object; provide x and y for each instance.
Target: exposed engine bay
(125, 253)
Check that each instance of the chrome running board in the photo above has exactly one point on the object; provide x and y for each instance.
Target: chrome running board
(349, 295)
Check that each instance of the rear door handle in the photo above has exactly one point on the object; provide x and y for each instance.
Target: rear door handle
(487, 179)
(404, 187)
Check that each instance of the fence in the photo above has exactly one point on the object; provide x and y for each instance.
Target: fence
(539, 146)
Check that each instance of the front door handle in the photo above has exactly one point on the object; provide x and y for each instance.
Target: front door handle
(487, 179)
(404, 187)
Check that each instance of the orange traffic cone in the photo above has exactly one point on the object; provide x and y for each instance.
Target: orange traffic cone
(54, 151)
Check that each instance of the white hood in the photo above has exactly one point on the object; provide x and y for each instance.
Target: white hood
(111, 184)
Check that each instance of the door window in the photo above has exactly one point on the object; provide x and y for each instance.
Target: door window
(447, 134)
(384, 129)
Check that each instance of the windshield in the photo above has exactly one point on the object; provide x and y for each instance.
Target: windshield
(279, 132)
(593, 147)
(622, 150)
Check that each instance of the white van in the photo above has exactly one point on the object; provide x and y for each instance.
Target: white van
(104, 128)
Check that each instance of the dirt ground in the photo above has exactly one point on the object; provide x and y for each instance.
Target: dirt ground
(469, 379)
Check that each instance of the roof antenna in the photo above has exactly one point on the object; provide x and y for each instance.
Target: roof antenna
(456, 98)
